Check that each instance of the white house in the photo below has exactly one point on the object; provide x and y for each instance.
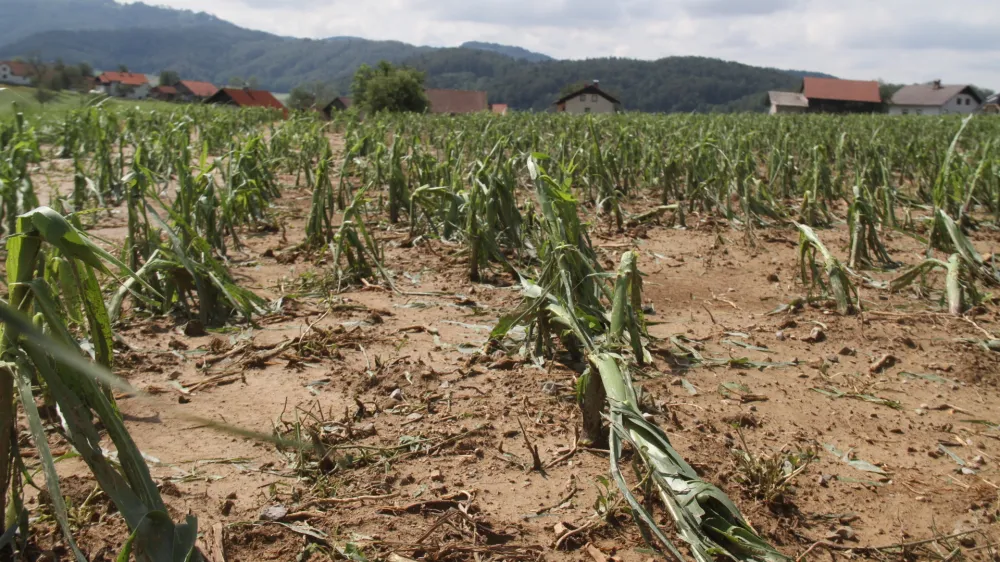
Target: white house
(589, 99)
(935, 98)
(787, 102)
(124, 85)
(15, 72)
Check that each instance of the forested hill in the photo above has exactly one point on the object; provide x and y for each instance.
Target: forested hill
(201, 47)
(24, 18)
(667, 85)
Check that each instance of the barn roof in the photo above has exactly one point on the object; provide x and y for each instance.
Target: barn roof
(456, 101)
(788, 99)
(932, 94)
(127, 78)
(200, 89)
(18, 68)
(841, 90)
(245, 97)
(588, 89)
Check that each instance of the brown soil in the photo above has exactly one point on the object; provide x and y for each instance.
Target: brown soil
(427, 438)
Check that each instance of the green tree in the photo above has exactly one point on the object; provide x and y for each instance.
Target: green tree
(169, 78)
(123, 68)
(389, 88)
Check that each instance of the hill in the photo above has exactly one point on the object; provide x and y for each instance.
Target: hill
(36, 16)
(201, 47)
(512, 52)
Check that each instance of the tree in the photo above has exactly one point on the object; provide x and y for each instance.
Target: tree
(169, 78)
(388, 88)
(311, 95)
(123, 68)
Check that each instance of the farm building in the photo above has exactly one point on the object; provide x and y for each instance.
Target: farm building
(164, 93)
(341, 103)
(15, 72)
(787, 102)
(589, 99)
(499, 108)
(190, 90)
(935, 98)
(453, 102)
(992, 104)
(124, 85)
(832, 95)
(245, 97)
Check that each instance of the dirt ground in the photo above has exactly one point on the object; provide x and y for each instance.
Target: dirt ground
(429, 441)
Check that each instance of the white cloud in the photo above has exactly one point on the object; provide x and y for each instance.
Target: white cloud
(897, 40)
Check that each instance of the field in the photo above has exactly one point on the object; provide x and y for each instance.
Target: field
(528, 337)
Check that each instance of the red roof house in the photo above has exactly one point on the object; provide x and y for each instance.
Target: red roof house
(456, 101)
(841, 96)
(245, 97)
(124, 84)
(164, 93)
(15, 72)
(196, 90)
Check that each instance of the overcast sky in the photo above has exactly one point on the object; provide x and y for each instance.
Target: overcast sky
(896, 40)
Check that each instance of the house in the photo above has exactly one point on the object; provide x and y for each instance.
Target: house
(992, 104)
(787, 102)
(589, 99)
(499, 108)
(245, 97)
(832, 95)
(341, 103)
(15, 72)
(935, 98)
(190, 90)
(164, 93)
(453, 102)
(124, 85)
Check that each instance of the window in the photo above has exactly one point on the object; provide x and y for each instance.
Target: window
(586, 110)
(593, 97)
(919, 112)
(906, 112)
(583, 97)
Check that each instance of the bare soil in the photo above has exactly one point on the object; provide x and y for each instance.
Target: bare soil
(428, 441)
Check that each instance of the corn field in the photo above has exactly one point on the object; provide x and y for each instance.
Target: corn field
(518, 196)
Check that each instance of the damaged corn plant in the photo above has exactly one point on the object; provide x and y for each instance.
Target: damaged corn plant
(602, 324)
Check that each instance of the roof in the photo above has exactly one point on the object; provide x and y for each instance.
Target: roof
(127, 78)
(245, 98)
(200, 89)
(499, 108)
(932, 94)
(841, 90)
(456, 101)
(992, 100)
(345, 101)
(18, 68)
(166, 90)
(788, 99)
(588, 89)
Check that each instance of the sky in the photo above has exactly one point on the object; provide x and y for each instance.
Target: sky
(899, 41)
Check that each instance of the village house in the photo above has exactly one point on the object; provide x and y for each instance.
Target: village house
(124, 85)
(832, 95)
(499, 108)
(164, 93)
(935, 98)
(15, 72)
(589, 99)
(340, 103)
(992, 104)
(245, 97)
(194, 91)
(453, 102)
(787, 102)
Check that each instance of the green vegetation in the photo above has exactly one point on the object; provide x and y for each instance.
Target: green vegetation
(388, 88)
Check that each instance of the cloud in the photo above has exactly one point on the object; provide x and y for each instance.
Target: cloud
(898, 40)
